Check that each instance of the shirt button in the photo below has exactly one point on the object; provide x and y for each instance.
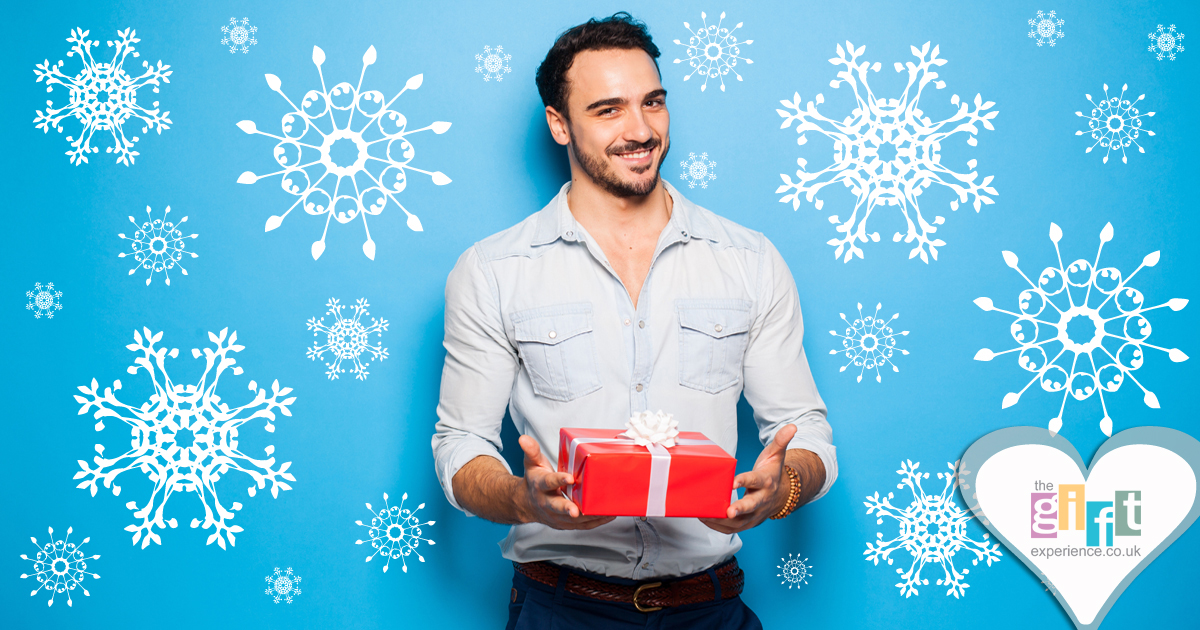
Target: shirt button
(639, 387)
(570, 233)
(645, 565)
(718, 328)
(643, 518)
(627, 322)
(553, 334)
(642, 323)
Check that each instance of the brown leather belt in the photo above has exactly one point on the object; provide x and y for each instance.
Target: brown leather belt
(645, 596)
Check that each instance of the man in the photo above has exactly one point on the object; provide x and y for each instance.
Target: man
(617, 297)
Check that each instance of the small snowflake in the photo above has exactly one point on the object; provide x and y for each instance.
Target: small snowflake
(239, 35)
(283, 585)
(1166, 42)
(103, 96)
(869, 343)
(347, 338)
(344, 169)
(932, 529)
(887, 152)
(158, 245)
(1114, 123)
(1046, 28)
(185, 438)
(1090, 356)
(794, 571)
(395, 532)
(713, 51)
(60, 567)
(44, 300)
(698, 170)
(492, 63)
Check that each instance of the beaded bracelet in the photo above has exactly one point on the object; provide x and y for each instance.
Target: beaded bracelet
(793, 499)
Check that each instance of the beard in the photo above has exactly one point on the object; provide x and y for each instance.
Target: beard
(601, 171)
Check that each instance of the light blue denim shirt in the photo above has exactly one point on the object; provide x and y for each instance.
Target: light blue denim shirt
(538, 321)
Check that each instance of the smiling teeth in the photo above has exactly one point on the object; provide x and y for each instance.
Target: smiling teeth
(634, 156)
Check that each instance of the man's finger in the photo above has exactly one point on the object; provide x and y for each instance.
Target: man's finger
(750, 479)
(546, 481)
(779, 444)
(532, 452)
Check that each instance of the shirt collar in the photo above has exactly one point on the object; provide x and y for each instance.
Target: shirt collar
(687, 221)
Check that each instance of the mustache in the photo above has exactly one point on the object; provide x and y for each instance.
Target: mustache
(648, 145)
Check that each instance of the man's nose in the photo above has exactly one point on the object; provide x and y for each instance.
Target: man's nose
(636, 127)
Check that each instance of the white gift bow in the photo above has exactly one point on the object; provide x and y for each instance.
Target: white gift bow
(660, 460)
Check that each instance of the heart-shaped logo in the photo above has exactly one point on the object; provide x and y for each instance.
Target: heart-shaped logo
(1087, 532)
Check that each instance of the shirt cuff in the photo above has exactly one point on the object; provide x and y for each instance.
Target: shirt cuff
(824, 450)
(467, 449)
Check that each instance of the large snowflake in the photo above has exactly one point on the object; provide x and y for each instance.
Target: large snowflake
(283, 585)
(395, 532)
(1089, 320)
(347, 339)
(869, 342)
(103, 96)
(60, 566)
(713, 51)
(1046, 29)
(344, 140)
(794, 571)
(158, 245)
(239, 35)
(1114, 123)
(185, 438)
(887, 152)
(1166, 42)
(932, 529)
(698, 170)
(44, 300)
(492, 63)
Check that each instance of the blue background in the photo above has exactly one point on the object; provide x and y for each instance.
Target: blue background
(351, 441)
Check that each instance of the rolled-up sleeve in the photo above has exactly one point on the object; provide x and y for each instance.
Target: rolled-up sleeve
(478, 373)
(778, 383)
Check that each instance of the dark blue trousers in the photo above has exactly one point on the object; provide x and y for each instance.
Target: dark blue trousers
(536, 606)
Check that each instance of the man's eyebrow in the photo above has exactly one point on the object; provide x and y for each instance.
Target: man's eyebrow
(617, 100)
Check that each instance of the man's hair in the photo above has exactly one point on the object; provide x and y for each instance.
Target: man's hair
(619, 31)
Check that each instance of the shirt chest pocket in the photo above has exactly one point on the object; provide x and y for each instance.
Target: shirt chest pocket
(558, 347)
(713, 334)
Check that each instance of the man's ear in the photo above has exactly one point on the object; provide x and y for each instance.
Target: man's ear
(558, 126)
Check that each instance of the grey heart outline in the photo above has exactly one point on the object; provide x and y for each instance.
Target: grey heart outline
(1175, 441)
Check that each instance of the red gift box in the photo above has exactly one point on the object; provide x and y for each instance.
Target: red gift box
(616, 477)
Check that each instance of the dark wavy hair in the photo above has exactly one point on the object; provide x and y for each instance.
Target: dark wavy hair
(618, 31)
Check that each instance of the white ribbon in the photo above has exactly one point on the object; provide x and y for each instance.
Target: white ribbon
(657, 432)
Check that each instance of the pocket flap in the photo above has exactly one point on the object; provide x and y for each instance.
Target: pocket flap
(715, 318)
(552, 324)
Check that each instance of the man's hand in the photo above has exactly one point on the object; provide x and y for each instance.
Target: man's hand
(542, 500)
(766, 490)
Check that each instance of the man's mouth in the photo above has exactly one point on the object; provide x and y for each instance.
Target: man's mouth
(636, 157)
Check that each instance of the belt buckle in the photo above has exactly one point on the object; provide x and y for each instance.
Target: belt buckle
(638, 592)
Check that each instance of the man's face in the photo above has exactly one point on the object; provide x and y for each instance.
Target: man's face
(619, 126)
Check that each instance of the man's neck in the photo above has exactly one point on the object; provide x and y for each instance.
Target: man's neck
(603, 214)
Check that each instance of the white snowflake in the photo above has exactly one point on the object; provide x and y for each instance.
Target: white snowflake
(713, 51)
(1046, 28)
(347, 339)
(887, 152)
(60, 567)
(932, 529)
(1166, 42)
(1093, 314)
(239, 35)
(698, 170)
(794, 571)
(492, 63)
(44, 300)
(158, 245)
(185, 438)
(869, 343)
(283, 585)
(395, 532)
(371, 158)
(103, 97)
(1114, 123)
